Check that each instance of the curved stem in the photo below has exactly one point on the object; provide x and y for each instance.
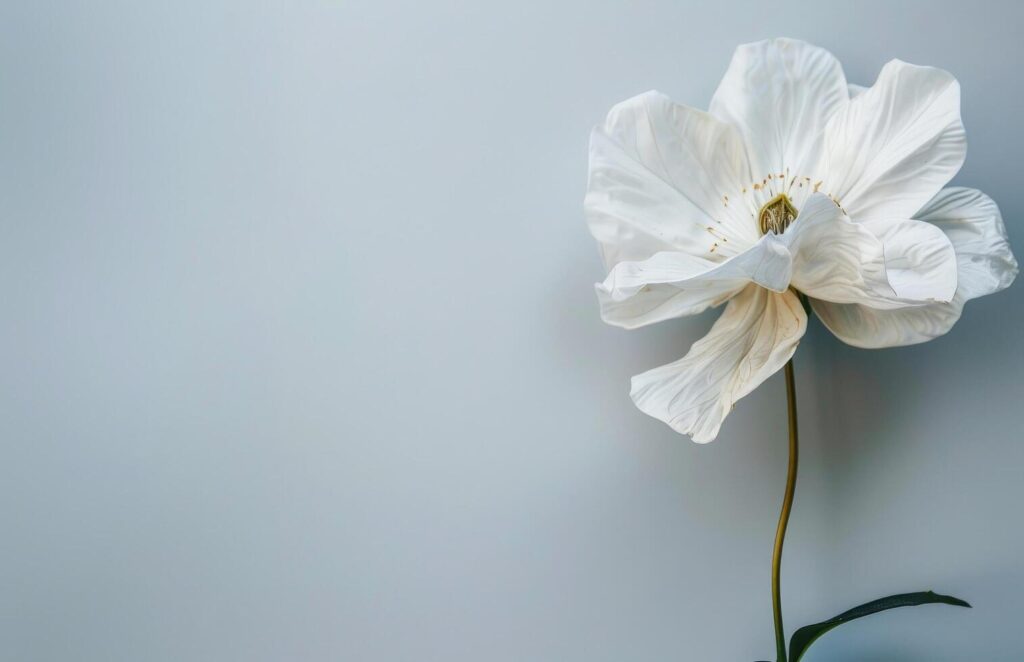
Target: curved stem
(787, 506)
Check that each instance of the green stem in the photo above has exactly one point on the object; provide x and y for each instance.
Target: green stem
(787, 506)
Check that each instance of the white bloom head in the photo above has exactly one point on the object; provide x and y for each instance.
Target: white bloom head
(793, 183)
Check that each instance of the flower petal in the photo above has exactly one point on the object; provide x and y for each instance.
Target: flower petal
(673, 284)
(920, 262)
(780, 93)
(754, 337)
(659, 172)
(834, 258)
(893, 265)
(895, 145)
(985, 265)
(971, 220)
(872, 328)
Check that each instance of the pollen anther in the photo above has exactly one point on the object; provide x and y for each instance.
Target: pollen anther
(776, 215)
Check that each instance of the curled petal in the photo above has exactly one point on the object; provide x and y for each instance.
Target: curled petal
(834, 258)
(920, 262)
(971, 221)
(896, 144)
(673, 284)
(754, 337)
(891, 264)
(780, 93)
(659, 174)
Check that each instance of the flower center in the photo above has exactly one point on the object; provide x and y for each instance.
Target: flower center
(776, 215)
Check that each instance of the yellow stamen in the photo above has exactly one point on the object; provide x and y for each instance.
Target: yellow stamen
(776, 215)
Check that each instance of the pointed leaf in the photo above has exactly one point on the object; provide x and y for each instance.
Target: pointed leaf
(807, 635)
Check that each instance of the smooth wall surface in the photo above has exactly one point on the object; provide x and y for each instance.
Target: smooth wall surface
(300, 357)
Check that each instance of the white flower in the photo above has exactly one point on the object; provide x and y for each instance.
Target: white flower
(794, 181)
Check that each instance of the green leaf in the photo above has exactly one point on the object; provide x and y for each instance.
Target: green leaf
(807, 635)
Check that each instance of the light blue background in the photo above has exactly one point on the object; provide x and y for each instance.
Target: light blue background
(300, 359)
